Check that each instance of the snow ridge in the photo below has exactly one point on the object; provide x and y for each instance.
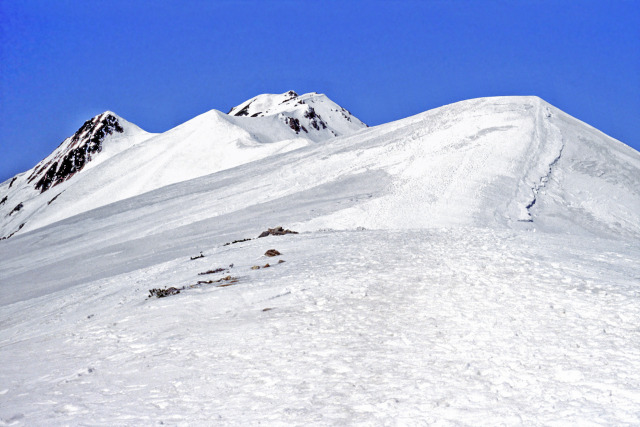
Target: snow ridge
(545, 178)
(543, 152)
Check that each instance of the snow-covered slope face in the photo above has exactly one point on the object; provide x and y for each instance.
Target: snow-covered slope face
(510, 161)
(513, 162)
(97, 140)
(500, 163)
(415, 293)
(313, 115)
(206, 144)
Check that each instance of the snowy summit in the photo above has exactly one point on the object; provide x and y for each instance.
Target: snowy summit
(284, 264)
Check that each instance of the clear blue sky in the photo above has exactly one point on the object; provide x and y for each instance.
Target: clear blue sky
(160, 63)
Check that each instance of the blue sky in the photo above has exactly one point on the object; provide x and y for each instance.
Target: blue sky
(160, 63)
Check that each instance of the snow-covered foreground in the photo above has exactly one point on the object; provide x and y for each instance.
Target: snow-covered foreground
(372, 327)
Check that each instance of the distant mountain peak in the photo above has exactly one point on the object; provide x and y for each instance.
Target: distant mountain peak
(311, 113)
(75, 152)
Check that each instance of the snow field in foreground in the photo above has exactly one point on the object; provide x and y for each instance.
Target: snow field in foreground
(446, 326)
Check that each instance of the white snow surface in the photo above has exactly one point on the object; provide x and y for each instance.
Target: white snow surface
(321, 117)
(208, 143)
(424, 288)
(21, 188)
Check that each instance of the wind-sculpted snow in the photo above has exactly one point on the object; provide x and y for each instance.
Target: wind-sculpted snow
(476, 264)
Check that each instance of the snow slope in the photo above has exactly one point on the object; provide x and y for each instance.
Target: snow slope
(210, 142)
(475, 264)
(447, 326)
(97, 140)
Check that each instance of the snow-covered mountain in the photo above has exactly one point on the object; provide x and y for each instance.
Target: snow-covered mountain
(97, 140)
(141, 162)
(312, 113)
(475, 264)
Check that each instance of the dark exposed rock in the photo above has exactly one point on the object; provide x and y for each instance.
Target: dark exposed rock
(236, 241)
(10, 235)
(278, 231)
(227, 281)
(18, 207)
(310, 113)
(243, 112)
(84, 143)
(294, 124)
(197, 256)
(161, 293)
(216, 270)
(4, 199)
(272, 252)
(291, 95)
(12, 181)
(52, 200)
(314, 119)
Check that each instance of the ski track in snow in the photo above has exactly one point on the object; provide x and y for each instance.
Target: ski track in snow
(442, 326)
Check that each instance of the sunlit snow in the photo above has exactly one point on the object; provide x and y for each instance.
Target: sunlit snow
(477, 264)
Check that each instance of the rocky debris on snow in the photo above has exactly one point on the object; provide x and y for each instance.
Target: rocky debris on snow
(222, 282)
(278, 231)
(280, 261)
(161, 293)
(267, 265)
(227, 281)
(197, 256)
(236, 241)
(272, 252)
(216, 270)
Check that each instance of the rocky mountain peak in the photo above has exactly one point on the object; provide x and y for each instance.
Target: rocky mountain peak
(311, 114)
(75, 152)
